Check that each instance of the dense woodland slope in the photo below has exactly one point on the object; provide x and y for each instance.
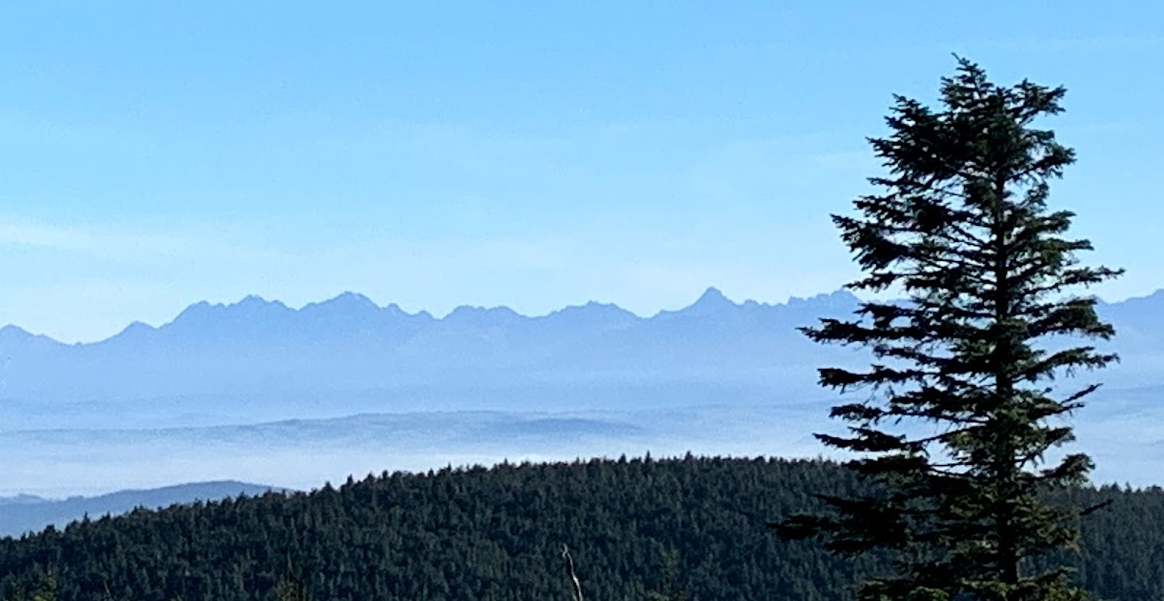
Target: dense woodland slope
(636, 528)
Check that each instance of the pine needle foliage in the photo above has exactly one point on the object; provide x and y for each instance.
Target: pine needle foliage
(960, 429)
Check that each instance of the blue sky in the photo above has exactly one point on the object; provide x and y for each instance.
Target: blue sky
(533, 154)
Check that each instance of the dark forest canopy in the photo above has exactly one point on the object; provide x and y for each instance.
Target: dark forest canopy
(634, 527)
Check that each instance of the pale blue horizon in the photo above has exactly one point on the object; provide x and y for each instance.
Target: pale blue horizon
(519, 154)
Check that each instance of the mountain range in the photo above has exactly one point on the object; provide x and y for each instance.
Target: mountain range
(28, 513)
(350, 347)
(258, 391)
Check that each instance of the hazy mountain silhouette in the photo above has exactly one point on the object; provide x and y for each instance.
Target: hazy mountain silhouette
(25, 513)
(349, 345)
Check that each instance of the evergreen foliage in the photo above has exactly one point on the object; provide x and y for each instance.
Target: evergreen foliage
(637, 529)
(959, 433)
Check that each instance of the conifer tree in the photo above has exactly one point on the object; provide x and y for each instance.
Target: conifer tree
(960, 430)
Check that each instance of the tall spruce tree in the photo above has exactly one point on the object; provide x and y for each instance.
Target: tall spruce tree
(957, 427)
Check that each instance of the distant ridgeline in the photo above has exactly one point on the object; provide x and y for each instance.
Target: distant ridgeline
(637, 529)
(26, 513)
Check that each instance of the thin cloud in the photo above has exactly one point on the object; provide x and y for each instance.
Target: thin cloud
(1082, 43)
(43, 236)
(137, 244)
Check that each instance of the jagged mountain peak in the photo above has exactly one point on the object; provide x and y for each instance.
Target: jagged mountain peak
(352, 298)
(256, 302)
(195, 311)
(475, 313)
(11, 332)
(15, 336)
(590, 307)
(711, 302)
(714, 296)
(395, 310)
(1154, 297)
(593, 312)
(136, 328)
(831, 301)
(346, 301)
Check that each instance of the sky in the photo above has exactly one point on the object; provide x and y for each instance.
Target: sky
(524, 153)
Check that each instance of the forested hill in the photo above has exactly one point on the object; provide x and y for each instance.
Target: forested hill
(637, 529)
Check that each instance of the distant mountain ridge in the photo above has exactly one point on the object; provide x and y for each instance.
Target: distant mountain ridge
(350, 345)
(350, 308)
(28, 513)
